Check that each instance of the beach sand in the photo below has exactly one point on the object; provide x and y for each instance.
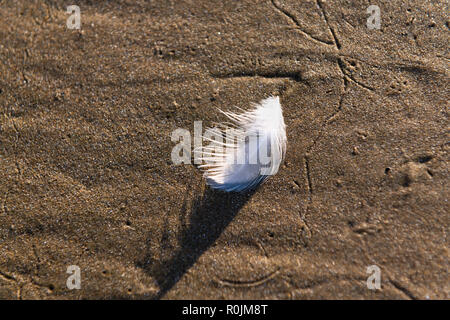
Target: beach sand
(87, 180)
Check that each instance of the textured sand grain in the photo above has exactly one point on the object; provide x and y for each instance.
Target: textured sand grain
(85, 169)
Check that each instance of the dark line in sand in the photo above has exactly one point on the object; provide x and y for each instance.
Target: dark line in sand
(336, 40)
(400, 287)
(308, 177)
(261, 247)
(360, 84)
(351, 78)
(297, 23)
(250, 283)
(7, 276)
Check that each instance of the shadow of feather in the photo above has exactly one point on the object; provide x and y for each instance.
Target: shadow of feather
(211, 214)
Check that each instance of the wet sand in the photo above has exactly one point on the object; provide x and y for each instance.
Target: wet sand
(87, 179)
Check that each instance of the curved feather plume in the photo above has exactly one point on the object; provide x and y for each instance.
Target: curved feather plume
(248, 149)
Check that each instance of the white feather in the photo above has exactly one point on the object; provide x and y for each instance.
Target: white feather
(242, 162)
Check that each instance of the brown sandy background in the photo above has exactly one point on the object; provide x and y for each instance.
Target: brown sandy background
(86, 175)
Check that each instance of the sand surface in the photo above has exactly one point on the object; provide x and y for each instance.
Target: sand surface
(86, 176)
